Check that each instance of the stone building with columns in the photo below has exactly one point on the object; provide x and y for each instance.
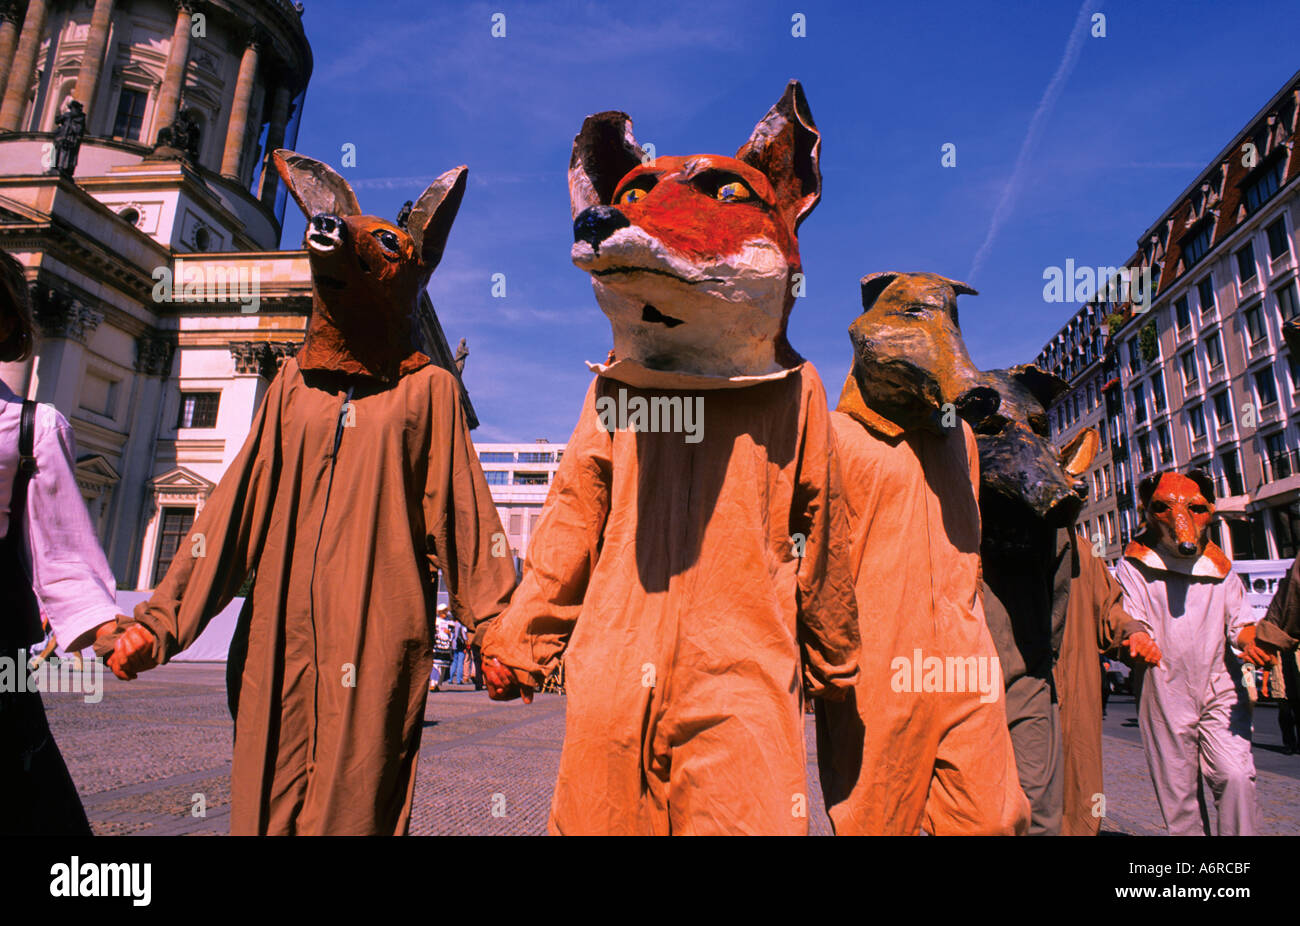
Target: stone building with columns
(183, 102)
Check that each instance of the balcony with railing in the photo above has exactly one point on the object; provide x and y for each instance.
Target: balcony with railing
(1280, 465)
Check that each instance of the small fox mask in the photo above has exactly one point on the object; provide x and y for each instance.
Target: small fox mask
(367, 273)
(1178, 510)
(693, 258)
(909, 359)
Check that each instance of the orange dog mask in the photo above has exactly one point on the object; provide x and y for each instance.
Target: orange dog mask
(1178, 510)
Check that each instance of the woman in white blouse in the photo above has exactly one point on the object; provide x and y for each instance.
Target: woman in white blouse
(50, 564)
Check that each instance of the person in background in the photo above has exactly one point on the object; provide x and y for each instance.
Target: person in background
(50, 564)
(443, 642)
(1105, 683)
(459, 637)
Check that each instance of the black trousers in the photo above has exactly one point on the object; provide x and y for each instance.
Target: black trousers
(37, 796)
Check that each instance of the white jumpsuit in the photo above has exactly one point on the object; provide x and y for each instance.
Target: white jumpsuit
(1193, 712)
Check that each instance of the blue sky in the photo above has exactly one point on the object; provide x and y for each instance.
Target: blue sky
(1065, 149)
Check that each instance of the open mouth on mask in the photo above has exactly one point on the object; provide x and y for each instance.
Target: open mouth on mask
(654, 316)
(319, 241)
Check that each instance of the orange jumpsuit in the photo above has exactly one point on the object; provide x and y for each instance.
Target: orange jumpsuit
(669, 576)
(922, 743)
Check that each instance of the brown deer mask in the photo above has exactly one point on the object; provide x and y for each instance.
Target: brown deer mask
(367, 273)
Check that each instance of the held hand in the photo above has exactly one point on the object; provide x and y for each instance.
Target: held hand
(501, 683)
(1253, 651)
(133, 653)
(1143, 649)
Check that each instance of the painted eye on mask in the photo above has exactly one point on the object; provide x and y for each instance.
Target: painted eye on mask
(387, 240)
(1159, 507)
(634, 195)
(1200, 509)
(733, 192)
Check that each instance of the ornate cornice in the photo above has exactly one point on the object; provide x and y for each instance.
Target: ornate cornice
(153, 354)
(62, 316)
(261, 358)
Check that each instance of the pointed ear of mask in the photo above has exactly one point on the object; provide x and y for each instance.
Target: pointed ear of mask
(1045, 386)
(873, 284)
(959, 289)
(1078, 454)
(315, 187)
(603, 152)
(786, 147)
(430, 220)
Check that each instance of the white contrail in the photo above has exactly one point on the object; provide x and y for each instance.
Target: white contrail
(1073, 46)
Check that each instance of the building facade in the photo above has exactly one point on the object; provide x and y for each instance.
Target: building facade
(164, 302)
(520, 477)
(1200, 376)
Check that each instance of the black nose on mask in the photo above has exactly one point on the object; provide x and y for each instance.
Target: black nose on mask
(597, 223)
(1187, 549)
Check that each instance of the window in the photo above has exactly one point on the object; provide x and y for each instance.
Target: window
(1189, 368)
(130, 115)
(1293, 367)
(496, 477)
(1255, 330)
(1060, 418)
(1261, 189)
(1265, 387)
(198, 410)
(1277, 238)
(1198, 245)
(1287, 303)
(1092, 398)
(1182, 313)
(1279, 460)
(534, 457)
(1134, 356)
(1246, 263)
(1144, 453)
(531, 479)
(1196, 421)
(1098, 485)
(1222, 411)
(1205, 292)
(1139, 403)
(1232, 473)
(1076, 405)
(1213, 350)
(173, 525)
(1106, 480)
(1166, 447)
(1158, 391)
(496, 456)
(1110, 527)
(516, 523)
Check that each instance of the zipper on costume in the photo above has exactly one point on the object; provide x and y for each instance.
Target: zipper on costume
(311, 610)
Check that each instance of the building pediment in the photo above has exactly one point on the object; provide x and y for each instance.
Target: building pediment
(181, 481)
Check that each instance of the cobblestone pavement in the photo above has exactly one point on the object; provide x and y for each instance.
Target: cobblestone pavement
(151, 750)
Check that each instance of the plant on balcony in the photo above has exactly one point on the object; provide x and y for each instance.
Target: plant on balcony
(1147, 342)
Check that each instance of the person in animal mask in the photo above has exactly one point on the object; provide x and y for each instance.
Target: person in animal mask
(694, 579)
(922, 742)
(357, 483)
(1050, 603)
(1193, 711)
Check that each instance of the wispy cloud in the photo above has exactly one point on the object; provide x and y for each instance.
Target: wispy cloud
(1073, 46)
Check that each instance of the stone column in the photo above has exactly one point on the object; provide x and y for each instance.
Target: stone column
(10, 16)
(178, 57)
(274, 139)
(23, 67)
(238, 125)
(92, 58)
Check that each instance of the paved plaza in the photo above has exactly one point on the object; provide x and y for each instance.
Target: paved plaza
(152, 750)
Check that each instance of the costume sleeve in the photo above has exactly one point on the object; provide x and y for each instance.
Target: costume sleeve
(531, 634)
(466, 541)
(1134, 599)
(1114, 624)
(224, 543)
(1281, 624)
(70, 575)
(1240, 614)
(828, 612)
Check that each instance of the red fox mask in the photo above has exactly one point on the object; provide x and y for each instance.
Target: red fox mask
(367, 273)
(1178, 511)
(692, 258)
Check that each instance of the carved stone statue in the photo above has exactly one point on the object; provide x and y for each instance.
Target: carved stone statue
(404, 214)
(462, 354)
(69, 129)
(181, 138)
